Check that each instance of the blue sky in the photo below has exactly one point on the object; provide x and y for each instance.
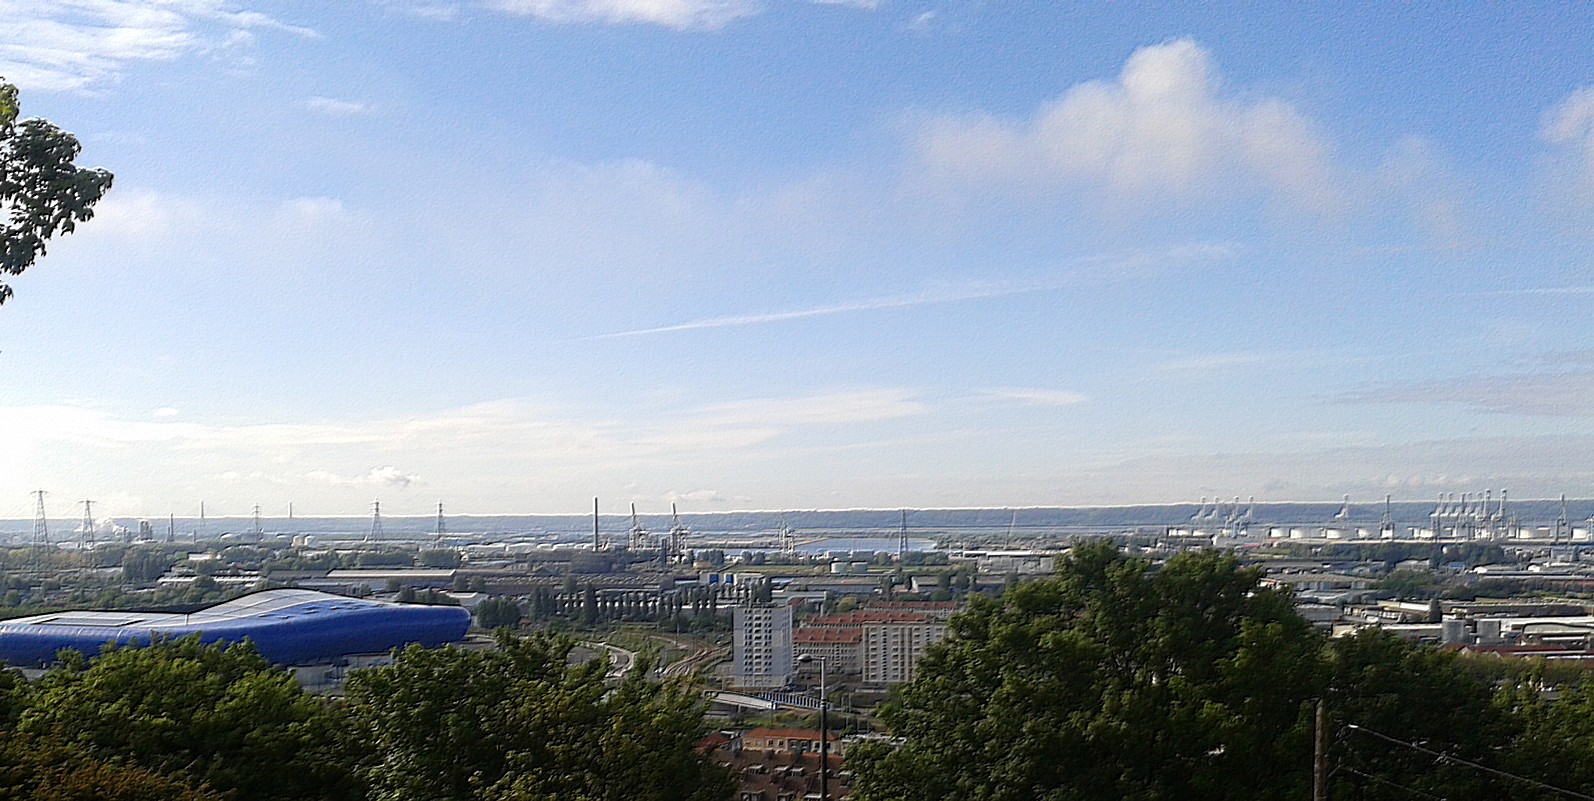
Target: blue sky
(511, 254)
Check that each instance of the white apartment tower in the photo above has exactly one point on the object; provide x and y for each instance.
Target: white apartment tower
(891, 651)
(762, 646)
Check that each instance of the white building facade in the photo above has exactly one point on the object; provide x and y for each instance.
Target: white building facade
(762, 646)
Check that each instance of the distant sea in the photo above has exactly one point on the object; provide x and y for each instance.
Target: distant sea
(815, 530)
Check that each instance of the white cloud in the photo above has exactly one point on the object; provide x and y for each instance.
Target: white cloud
(72, 45)
(506, 441)
(1414, 172)
(928, 296)
(384, 476)
(1038, 397)
(678, 14)
(946, 293)
(333, 107)
(433, 10)
(314, 210)
(1165, 127)
(827, 409)
(1570, 126)
(140, 213)
(1565, 393)
(1205, 362)
(391, 476)
(683, 15)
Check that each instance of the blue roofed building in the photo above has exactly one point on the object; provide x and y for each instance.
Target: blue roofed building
(287, 626)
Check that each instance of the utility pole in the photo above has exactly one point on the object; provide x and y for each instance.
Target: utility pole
(824, 728)
(1320, 755)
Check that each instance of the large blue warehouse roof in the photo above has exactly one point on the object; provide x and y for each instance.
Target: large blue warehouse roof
(287, 626)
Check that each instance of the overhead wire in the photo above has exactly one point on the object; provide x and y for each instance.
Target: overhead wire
(1397, 785)
(1443, 757)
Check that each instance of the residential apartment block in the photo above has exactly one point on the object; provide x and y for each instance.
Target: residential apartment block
(891, 651)
(880, 645)
(842, 649)
(762, 646)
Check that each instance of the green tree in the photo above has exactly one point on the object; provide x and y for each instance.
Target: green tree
(1418, 695)
(143, 564)
(1110, 681)
(221, 714)
(1556, 744)
(589, 605)
(520, 722)
(495, 613)
(442, 558)
(45, 770)
(41, 190)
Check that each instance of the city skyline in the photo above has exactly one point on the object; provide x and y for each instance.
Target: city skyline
(751, 255)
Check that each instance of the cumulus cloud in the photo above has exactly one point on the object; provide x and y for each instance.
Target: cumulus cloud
(1165, 126)
(72, 45)
(391, 476)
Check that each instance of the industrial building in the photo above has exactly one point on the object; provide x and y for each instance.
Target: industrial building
(287, 626)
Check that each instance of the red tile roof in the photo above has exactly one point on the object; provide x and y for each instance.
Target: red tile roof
(819, 636)
(865, 616)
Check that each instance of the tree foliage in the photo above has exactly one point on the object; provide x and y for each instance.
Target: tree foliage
(496, 613)
(1416, 695)
(42, 193)
(142, 564)
(32, 769)
(520, 722)
(221, 715)
(1115, 680)
(1111, 681)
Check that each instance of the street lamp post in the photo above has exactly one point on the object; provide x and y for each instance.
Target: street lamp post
(824, 739)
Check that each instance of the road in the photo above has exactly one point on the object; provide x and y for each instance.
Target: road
(620, 660)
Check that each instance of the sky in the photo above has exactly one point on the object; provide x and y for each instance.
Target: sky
(782, 254)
